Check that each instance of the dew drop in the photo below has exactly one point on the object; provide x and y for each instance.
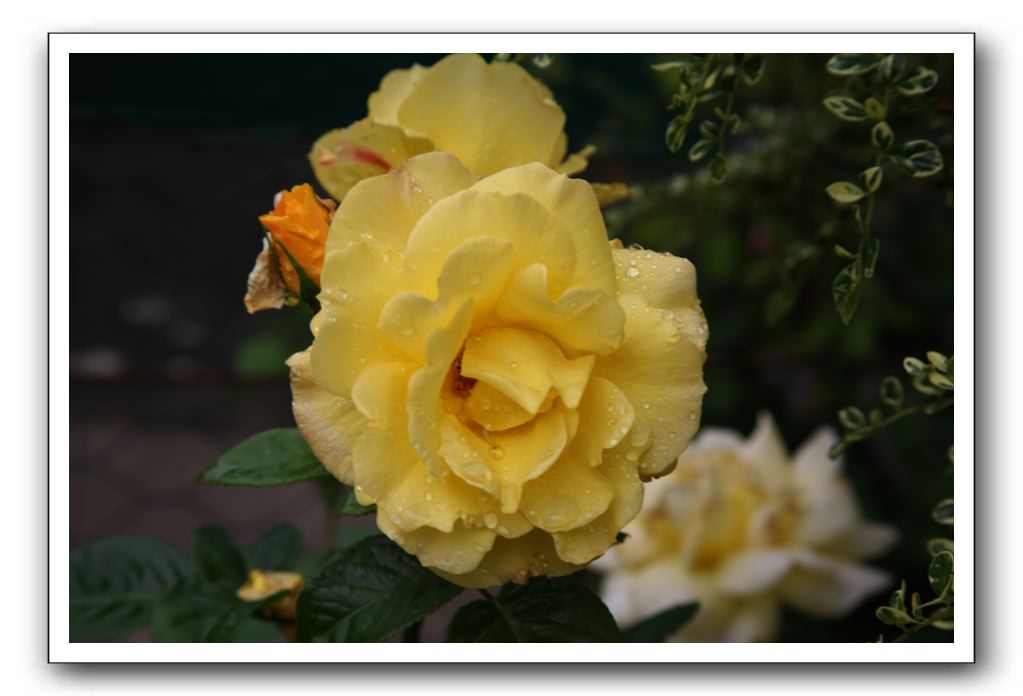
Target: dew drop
(343, 295)
(632, 271)
(490, 519)
(497, 452)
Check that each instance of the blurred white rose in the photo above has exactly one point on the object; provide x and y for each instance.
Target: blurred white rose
(742, 528)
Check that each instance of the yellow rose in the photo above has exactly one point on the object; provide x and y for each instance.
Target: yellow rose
(490, 115)
(742, 528)
(491, 373)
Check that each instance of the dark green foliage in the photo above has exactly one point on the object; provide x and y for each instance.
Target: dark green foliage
(368, 592)
(116, 582)
(271, 458)
(545, 610)
(656, 628)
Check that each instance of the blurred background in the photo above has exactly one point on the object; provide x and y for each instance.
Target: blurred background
(173, 157)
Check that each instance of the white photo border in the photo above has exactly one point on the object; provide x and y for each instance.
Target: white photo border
(61, 45)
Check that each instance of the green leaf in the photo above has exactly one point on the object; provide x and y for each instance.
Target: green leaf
(353, 508)
(852, 418)
(920, 82)
(350, 534)
(871, 178)
(669, 65)
(271, 458)
(710, 130)
(699, 150)
(845, 192)
(874, 108)
(891, 67)
(939, 573)
(881, 136)
(846, 291)
(898, 598)
(676, 133)
(914, 366)
(219, 561)
(751, 68)
(367, 593)
(200, 613)
(893, 617)
(542, 60)
(943, 512)
(846, 108)
(937, 359)
(656, 628)
(891, 391)
(278, 549)
(545, 610)
(114, 584)
(718, 169)
(920, 158)
(870, 252)
(852, 63)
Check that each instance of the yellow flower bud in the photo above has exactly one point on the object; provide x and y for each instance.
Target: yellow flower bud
(266, 583)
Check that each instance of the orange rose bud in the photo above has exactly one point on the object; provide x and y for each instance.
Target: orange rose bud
(299, 222)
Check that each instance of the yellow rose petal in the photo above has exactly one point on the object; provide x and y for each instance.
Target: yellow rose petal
(456, 551)
(494, 410)
(535, 233)
(394, 88)
(386, 208)
(569, 495)
(525, 366)
(583, 544)
(476, 269)
(515, 560)
(356, 278)
(327, 422)
(424, 391)
(659, 368)
(342, 158)
(490, 115)
(571, 200)
(605, 419)
(583, 320)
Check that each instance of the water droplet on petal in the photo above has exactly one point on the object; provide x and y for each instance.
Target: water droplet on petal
(632, 271)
